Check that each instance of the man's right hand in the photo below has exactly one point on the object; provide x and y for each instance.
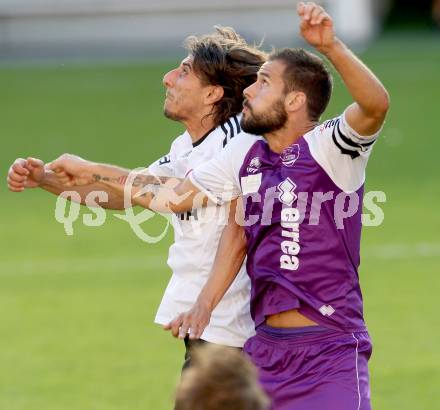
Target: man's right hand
(25, 173)
(71, 170)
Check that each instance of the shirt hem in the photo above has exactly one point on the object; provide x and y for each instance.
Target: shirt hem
(209, 337)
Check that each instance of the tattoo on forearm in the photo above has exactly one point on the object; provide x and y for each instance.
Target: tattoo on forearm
(139, 180)
(144, 180)
(101, 178)
(149, 184)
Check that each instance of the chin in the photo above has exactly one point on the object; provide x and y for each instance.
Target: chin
(172, 115)
(168, 113)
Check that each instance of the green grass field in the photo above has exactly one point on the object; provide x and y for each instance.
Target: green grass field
(76, 327)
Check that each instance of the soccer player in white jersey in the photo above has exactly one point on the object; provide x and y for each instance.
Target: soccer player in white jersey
(205, 93)
(312, 346)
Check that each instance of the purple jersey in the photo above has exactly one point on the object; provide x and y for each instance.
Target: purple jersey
(303, 220)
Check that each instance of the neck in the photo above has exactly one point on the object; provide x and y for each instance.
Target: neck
(280, 139)
(198, 127)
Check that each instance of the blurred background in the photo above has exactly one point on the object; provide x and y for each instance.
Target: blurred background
(84, 77)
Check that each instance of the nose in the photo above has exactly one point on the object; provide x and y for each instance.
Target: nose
(247, 92)
(168, 78)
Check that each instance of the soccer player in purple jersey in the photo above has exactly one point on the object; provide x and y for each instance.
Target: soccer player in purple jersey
(312, 347)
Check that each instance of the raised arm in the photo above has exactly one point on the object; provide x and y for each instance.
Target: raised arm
(228, 260)
(371, 100)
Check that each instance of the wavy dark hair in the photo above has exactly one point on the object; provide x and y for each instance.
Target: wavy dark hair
(306, 72)
(225, 59)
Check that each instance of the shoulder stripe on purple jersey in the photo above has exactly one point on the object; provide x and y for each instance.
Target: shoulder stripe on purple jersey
(350, 142)
(353, 153)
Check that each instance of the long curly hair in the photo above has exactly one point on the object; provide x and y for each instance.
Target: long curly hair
(225, 59)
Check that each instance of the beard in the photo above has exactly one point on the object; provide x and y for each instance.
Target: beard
(266, 122)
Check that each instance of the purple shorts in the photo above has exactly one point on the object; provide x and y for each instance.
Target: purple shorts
(312, 368)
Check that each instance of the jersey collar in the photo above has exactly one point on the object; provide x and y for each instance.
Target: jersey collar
(203, 138)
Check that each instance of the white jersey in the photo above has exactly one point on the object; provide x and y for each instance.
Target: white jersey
(196, 239)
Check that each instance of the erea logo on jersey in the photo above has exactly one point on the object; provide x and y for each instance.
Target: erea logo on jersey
(290, 217)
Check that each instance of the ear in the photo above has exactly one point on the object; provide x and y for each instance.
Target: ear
(213, 94)
(295, 100)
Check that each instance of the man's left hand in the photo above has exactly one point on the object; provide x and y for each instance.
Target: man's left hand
(316, 26)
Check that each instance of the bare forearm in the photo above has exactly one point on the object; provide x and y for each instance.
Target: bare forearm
(160, 194)
(135, 187)
(141, 187)
(365, 88)
(52, 185)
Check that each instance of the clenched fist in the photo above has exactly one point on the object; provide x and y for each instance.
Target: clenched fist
(25, 173)
(71, 170)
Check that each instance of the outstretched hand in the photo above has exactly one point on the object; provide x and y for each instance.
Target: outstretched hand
(316, 25)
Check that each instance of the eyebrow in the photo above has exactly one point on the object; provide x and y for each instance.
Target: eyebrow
(263, 74)
(186, 64)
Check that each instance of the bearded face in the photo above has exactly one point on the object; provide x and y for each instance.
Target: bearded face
(263, 120)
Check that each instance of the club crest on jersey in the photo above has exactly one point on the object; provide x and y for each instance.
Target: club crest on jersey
(290, 155)
(286, 192)
(254, 165)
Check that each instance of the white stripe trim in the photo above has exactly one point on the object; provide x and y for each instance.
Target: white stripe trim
(350, 147)
(355, 136)
(357, 371)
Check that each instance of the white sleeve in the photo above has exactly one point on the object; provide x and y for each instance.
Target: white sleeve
(219, 177)
(341, 152)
